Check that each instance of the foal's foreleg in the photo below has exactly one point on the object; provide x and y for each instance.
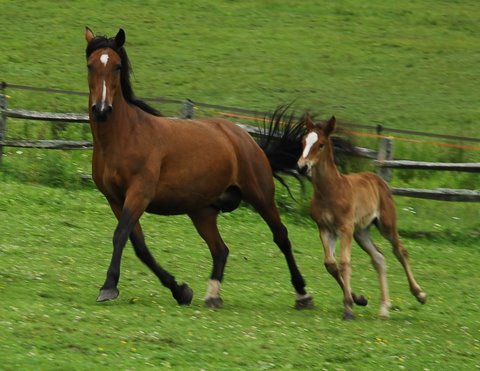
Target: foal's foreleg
(205, 222)
(346, 271)
(181, 293)
(329, 241)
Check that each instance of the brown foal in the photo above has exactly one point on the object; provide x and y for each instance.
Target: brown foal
(345, 206)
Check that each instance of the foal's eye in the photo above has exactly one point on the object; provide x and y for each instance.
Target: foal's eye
(118, 67)
(321, 145)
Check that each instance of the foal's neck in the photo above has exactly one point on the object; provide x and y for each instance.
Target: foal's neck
(325, 173)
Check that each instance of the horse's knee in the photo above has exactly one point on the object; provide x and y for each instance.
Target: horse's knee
(280, 237)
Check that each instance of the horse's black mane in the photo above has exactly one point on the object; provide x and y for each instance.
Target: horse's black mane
(100, 42)
(281, 141)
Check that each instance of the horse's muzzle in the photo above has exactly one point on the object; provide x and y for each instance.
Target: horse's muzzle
(102, 113)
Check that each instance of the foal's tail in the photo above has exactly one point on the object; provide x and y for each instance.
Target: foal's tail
(281, 140)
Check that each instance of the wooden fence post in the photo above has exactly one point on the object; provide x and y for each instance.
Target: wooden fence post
(3, 118)
(187, 109)
(385, 152)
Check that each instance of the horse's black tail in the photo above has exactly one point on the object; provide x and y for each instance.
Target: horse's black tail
(281, 140)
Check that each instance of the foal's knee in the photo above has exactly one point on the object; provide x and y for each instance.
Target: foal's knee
(332, 268)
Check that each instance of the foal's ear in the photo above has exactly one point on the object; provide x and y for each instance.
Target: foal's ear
(330, 127)
(120, 38)
(89, 36)
(307, 119)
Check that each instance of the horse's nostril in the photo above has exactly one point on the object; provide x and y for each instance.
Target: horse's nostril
(303, 169)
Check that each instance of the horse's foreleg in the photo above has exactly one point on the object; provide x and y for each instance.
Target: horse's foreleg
(126, 222)
(181, 293)
(205, 221)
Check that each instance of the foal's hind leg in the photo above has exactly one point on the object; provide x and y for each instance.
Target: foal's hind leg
(362, 237)
(270, 214)
(205, 222)
(387, 226)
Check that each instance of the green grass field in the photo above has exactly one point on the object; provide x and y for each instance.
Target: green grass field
(55, 250)
(404, 64)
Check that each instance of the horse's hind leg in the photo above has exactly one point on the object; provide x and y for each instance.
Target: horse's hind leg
(181, 293)
(205, 222)
(362, 237)
(270, 214)
(387, 226)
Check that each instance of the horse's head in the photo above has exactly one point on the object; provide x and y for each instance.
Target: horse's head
(105, 71)
(315, 142)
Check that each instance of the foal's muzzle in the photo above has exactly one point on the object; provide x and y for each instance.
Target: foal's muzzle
(101, 113)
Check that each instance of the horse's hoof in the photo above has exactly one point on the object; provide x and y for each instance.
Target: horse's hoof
(422, 297)
(214, 302)
(359, 300)
(184, 295)
(348, 316)
(108, 294)
(304, 303)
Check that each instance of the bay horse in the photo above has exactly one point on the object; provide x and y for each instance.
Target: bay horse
(345, 207)
(143, 162)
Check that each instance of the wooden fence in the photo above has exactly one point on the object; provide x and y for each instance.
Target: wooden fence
(383, 158)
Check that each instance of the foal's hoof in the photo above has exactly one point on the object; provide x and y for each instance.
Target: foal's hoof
(304, 303)
(214, 302)
(183, 294)
(359, 300)
(422, 297)
(108, 294)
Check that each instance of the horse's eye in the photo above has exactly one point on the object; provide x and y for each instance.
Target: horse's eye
(89, 67)
(321, 145)
(118, 67)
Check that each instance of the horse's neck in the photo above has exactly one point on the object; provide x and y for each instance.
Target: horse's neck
(325, 174)
(116, 127)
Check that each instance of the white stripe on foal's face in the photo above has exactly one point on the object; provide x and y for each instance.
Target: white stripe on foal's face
(310, 140)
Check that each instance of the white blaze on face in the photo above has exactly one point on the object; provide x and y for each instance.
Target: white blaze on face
(104, 60)
(309, 142)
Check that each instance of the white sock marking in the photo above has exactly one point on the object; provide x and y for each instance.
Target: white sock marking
(213, 289)
(309, 142)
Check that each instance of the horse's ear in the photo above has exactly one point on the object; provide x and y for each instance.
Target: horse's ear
(120, 38)
(330, 127)
(308, 121)
(89, 36)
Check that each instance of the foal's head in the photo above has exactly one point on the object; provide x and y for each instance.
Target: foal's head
(316, 142)
(109, 75)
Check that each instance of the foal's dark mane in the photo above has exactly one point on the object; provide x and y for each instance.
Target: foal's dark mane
(101, 42)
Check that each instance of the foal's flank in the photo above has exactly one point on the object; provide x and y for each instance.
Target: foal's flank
(345, 207)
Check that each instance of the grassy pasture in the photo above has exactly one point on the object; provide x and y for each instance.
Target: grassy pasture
(56, 246)
(406, 64)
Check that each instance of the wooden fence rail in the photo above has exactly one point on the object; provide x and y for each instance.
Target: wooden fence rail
(383, 159)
